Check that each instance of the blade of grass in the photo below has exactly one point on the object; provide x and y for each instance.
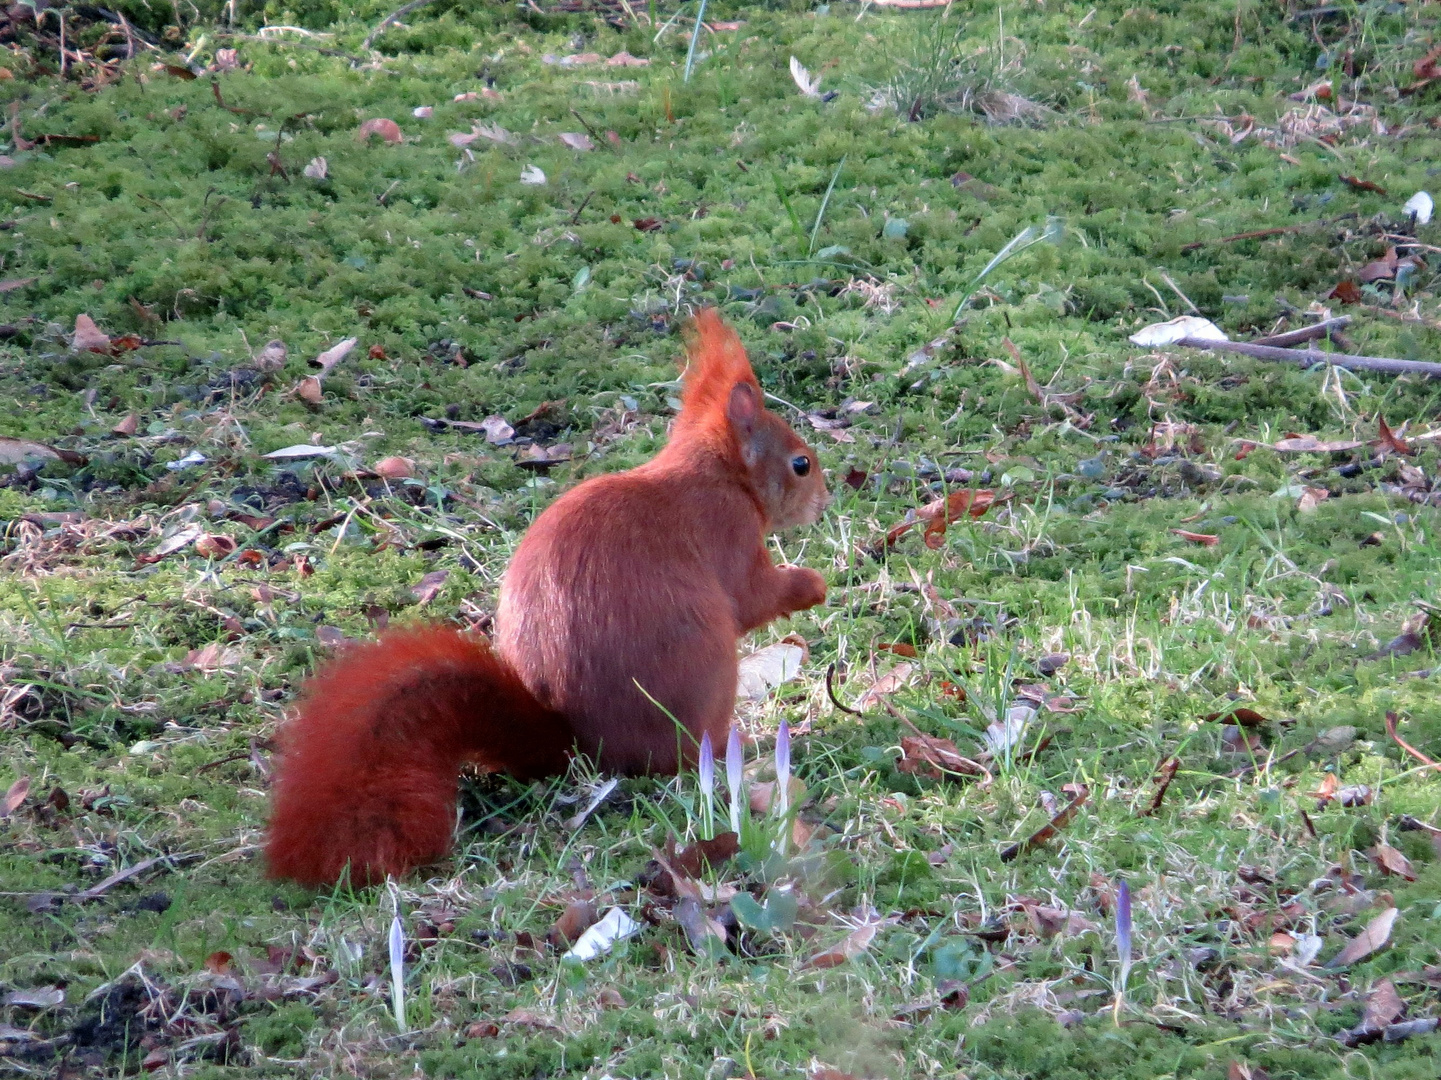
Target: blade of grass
(694, 37)
(825, 201)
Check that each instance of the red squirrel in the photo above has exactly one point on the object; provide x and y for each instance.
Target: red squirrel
(640, 579)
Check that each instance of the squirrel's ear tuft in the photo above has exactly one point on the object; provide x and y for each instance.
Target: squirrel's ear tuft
(717, 364)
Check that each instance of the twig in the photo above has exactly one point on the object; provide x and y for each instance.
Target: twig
(398, 13)
(147, 198)
(1306, 333)
(100, 888)
(831, 693)
(205, 220)
(594, 135)
(1307, 357)
(1165, 773)
(575, 217)
(291, 45)
(1404, 745)
(1177, 290)
(1254, 234)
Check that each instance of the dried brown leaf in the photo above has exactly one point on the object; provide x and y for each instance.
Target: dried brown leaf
(1052, 827)
(14, 796)
(1392, 862)
(427, 588)
(388, 130)
(855, 943)
(1368, 941)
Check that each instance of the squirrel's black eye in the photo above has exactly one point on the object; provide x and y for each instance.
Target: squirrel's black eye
(801, 464)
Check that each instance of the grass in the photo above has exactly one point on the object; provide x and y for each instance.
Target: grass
(172, 226)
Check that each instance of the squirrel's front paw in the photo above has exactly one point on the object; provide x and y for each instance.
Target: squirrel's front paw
(807, 588)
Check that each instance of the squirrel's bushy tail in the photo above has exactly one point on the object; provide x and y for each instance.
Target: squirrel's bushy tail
(367, 770)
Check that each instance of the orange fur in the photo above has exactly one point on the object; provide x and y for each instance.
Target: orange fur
(642, 579)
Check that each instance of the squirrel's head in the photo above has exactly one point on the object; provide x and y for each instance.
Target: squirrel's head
(723, 396)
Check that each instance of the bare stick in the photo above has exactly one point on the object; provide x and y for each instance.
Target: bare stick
(1404, 745)
(1307, 357)
(1254, 234)
(831, 691)
(398, 13)
(1306, 333)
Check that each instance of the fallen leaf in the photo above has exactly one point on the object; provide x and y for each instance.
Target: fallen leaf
(428, 587)
(1205, 539)
(1051, 828)
(1380, 269)
(213, 657)
(576, 140)
(1348, 292)
(388, 130)
(541, 458)
(394, 468)
(941, 513)
(318, 169)
(219, 962)
(299, 450)
(898, 648)
(625, 59)
(1178, 329)
(214, 546)
(1362, 185)
(1355, 795)
(174, 542)
(1393, 862)
(1311, 498)
(578, 917)
(765, 669)
(11, 284)
(1239, 1070)
(648, 224)
(1389, 440)
(35, 997)
(126, 426)
(1309, 444)
(1383, 1008)
(14, 796)
(1051, 663)
(855, 943)
(527, 1019)
(1368, 941)
(532, 176)
(1427, 67)
(1240, 715)
(1383, 1005)
(885, 686)
(694, 859)
(88, 337)
(925, 755)
(19, 451)
(762, 795)
(705, 935)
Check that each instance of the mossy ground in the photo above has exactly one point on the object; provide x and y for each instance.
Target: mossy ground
(173, 226)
